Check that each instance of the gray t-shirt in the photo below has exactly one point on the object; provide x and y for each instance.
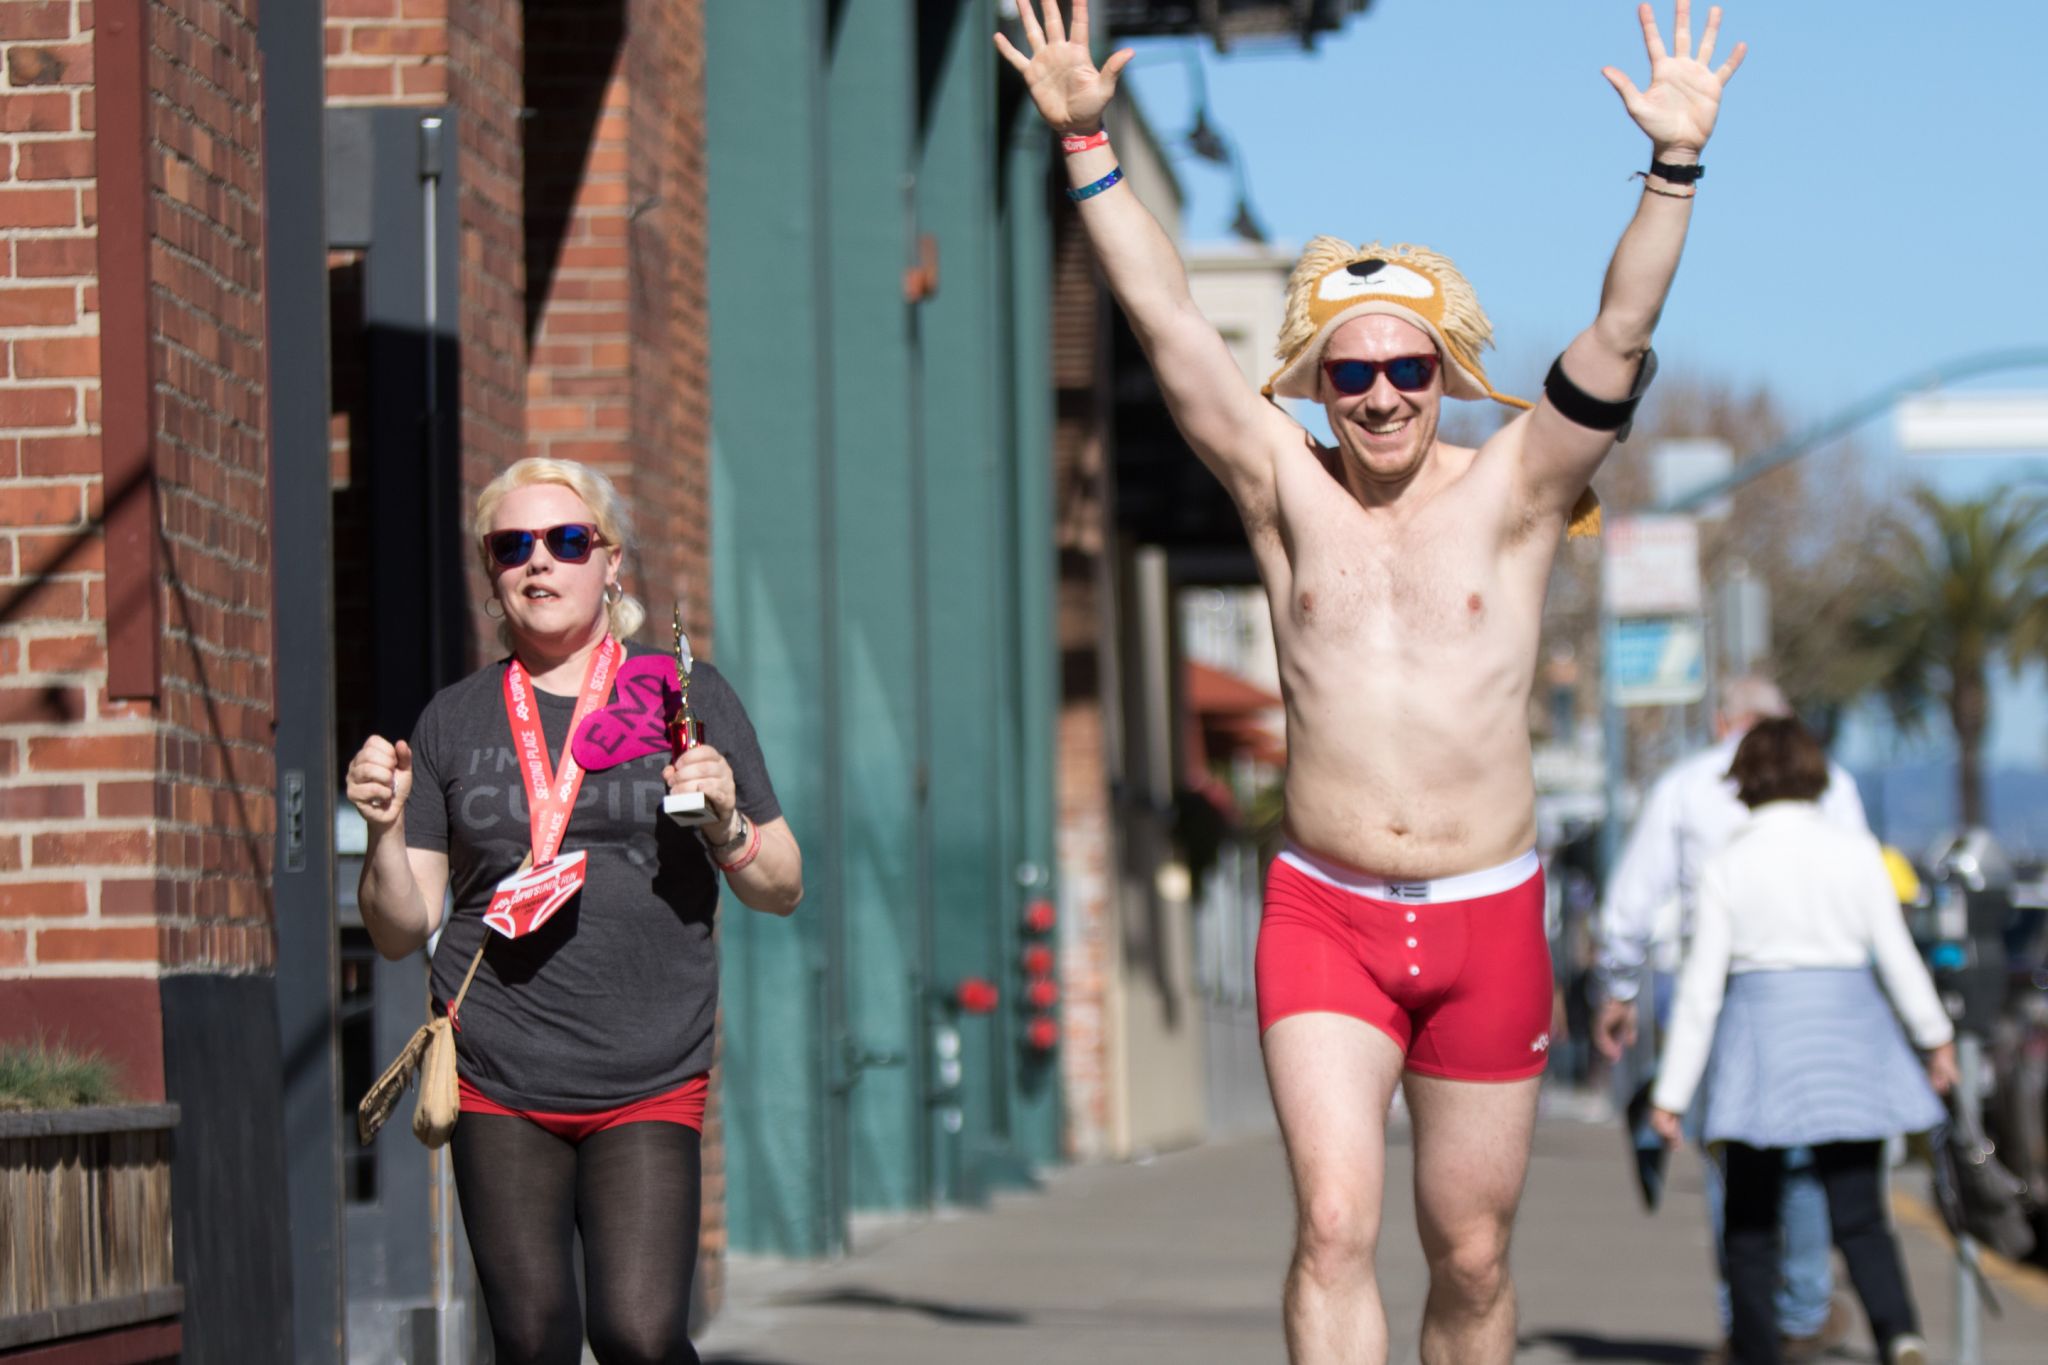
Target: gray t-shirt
(614, 998)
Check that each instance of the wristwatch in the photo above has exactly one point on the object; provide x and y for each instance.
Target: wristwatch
(741, 828)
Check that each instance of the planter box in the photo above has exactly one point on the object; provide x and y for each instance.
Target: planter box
(85, 1244)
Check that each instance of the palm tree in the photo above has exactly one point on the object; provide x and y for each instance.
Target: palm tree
(1961, 584)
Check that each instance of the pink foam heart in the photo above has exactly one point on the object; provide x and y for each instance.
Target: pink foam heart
(636, 723)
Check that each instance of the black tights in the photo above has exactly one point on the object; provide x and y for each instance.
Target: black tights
(633, 1192)
(1851, 1175)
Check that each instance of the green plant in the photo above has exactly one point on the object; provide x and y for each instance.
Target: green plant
(39, 1075)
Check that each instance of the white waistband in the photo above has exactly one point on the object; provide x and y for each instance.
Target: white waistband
(1466, 886)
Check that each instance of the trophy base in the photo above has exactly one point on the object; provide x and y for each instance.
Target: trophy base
(686, 808)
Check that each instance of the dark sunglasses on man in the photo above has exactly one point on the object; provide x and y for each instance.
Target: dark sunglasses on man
(1407, 373)
(569, 543)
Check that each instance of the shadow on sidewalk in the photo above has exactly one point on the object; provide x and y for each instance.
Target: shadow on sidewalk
(1582, 1346)
(938, 1312)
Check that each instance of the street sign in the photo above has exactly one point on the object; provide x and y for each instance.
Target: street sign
(1974, 421)
(1651, 566)
(1659, 661)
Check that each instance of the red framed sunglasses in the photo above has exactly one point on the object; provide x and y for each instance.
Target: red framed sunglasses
(569, 543)
(1407, 373)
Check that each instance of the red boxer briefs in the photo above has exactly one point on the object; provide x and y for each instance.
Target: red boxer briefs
(1456, 971)
(684, 1105)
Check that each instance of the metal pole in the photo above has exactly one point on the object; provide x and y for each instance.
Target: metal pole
(1613, 739)
(1969, 1302)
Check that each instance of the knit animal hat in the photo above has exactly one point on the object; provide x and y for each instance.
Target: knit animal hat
(1334, 282)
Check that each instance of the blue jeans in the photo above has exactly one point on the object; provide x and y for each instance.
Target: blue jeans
(1807, 1272)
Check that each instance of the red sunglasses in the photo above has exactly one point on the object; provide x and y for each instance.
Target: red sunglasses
(569, 543)
(1407, 373)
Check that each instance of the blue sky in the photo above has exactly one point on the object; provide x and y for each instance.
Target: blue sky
(1874, 203)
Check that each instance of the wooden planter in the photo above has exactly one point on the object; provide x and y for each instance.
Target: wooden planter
(85, 1222)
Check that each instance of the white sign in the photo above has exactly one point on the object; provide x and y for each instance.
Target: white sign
(1678, 468)
(1652, 566)
(1660, 661)
(1974, 421)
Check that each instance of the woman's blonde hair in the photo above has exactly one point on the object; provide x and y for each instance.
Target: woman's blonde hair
(599, 494)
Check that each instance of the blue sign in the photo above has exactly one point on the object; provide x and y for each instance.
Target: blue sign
(1659, 660)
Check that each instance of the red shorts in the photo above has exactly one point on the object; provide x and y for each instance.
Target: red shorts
(1456, 971)
(684, 1105)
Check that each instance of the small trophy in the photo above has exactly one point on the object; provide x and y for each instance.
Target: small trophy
(685, 808)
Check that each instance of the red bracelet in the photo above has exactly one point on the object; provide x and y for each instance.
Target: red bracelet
(1099, 138)
(739, 864)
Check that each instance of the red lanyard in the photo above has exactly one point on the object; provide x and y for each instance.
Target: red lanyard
(550, 795)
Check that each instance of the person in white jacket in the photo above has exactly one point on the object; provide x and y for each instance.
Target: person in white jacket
(1780, 1022)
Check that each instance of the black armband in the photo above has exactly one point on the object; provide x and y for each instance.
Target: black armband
(1598, 414)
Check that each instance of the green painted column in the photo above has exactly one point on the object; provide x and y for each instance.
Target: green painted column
(1028, 231)
(879, 678)
(963, 340)
(773, 565)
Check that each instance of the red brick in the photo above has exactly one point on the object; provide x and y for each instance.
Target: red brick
(57, 357)
(42, 111)
(360, 9)
(50, 457)
(20, 900)
(10, 654)
(67, 654)
(136, 944)
(42, 801)
(10, 853)
(128, 900)
(41, 704)
(127, 800)
(426, 80)
(71, 159)
(39, 208)
(426, 9)
(360, 82)
(42, 504)
(67, 64)
(88, 753)
(50, 305)
(64, 552)
(379, 40)
(32, 22)
(13, 947)
(45, 257)
(94, 848)
(44, 406)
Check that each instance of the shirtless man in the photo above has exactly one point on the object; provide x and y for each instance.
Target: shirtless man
(1402, 940)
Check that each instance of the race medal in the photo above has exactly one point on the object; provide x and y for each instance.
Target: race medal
(526, 900)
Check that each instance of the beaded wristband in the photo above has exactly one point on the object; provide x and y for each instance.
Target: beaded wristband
(1090, 191)
(1072, 144)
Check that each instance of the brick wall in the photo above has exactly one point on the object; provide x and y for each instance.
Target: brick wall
(134, 835)
(1086, 840)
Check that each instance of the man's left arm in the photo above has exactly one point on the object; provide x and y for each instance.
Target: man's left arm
(1590, 393)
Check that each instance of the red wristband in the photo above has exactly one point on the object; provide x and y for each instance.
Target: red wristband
(1099, 138)
(753, 851)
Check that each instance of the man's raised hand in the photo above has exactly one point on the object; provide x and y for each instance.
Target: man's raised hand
(1068, 88)
(1678, 109)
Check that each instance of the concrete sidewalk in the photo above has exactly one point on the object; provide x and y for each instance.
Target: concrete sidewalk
(1180, 1260)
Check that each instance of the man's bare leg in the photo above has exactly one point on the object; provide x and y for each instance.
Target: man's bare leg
(1471, 1154)
(1332, 1079)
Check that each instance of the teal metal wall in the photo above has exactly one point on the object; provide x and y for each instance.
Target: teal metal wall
(883, 574)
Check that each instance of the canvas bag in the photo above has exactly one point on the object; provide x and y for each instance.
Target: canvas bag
(430, 1055)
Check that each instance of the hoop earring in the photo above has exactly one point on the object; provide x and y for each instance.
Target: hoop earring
(614, 594)
(497, 615)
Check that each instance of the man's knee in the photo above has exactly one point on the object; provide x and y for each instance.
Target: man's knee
(1473, 1270)
(1337, 1236)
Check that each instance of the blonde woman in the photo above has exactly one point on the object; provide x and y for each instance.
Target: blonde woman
(584, 1045)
